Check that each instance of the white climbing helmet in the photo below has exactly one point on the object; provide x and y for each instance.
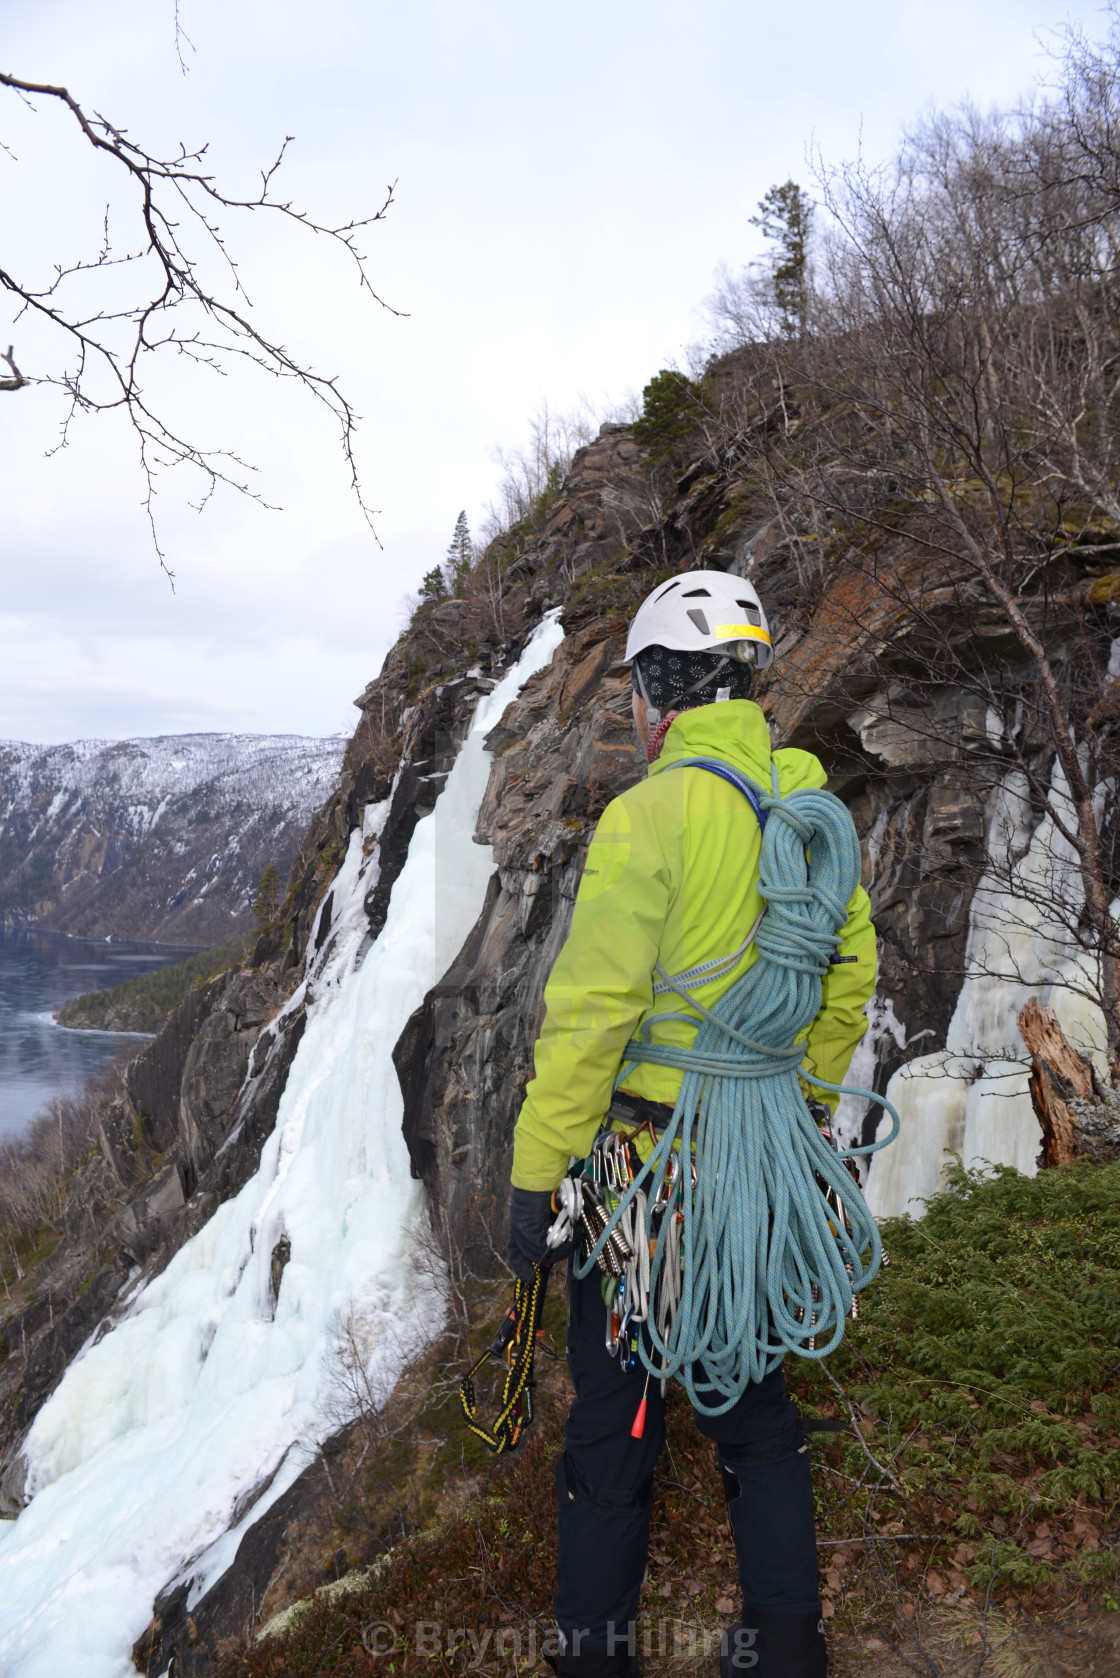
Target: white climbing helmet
(703, 611)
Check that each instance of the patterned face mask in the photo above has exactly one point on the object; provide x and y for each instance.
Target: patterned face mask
(676, 681)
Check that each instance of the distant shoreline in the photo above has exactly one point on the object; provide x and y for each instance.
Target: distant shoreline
(10, 923)
(100, 1030)
(138, 1007)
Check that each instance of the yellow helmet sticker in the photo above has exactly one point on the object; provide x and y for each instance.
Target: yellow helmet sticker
(740, 632)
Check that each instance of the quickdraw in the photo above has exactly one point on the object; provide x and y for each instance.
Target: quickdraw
(589, 1198)
(516, 1344)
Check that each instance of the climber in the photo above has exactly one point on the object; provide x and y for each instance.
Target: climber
(671, 877)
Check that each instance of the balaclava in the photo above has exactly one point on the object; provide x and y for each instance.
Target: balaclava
(672, 682)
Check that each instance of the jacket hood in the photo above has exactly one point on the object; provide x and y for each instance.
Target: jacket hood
(736, 731)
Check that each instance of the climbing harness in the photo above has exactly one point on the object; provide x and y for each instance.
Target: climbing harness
(515, 1343)
(714, 1269)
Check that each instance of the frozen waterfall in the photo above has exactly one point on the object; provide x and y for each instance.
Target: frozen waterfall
(972, 1099)
(208, 1391)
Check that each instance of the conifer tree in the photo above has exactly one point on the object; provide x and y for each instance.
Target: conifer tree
(671, 411)
(460, 554)
(785, 215)
(433, 587)
(266, 904)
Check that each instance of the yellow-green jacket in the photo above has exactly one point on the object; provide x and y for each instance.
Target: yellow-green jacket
(671, 876)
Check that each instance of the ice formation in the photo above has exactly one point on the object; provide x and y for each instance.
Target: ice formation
(972, 1100)
(882, 1022)
(210, 1394)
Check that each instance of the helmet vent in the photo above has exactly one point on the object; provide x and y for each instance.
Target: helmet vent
(694, 593)
(699, 619)
(752, 612)
(676, 583)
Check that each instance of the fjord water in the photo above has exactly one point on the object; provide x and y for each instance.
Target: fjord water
(38, 970)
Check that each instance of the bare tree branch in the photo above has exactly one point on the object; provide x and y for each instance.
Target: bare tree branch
(181, 39)
(178, 312)
(17, 380)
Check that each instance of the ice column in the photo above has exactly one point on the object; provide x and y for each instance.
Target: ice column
(972, 1099)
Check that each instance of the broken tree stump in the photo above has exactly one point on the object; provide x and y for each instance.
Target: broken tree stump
(1077, 1118)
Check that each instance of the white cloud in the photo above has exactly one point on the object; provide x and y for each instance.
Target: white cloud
(567, 182)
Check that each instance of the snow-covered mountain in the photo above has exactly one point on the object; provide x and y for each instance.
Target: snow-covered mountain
(161, 838)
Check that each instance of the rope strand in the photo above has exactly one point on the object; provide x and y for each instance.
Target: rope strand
(766, 1266)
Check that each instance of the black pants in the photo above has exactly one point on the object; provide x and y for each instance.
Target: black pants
(605, 1489)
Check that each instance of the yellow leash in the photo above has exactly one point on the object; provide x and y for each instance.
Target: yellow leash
(516, 1343)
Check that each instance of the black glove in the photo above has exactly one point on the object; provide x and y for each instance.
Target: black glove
(530, 1217)
(820, 1114)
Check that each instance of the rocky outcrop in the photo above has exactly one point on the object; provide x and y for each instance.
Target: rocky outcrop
(200, 1101)
(164, 839)
(216, 1066)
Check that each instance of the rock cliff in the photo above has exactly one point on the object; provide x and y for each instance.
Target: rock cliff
(200, 1101)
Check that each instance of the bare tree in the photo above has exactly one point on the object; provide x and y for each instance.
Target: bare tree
(947, 426)
(167, 304)
(38, 1169)
(531, 476)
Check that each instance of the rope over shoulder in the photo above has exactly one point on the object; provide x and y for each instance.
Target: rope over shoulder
(769, 1267)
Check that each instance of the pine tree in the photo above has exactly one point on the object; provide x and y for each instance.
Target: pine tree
(785, 216)
(433, 588)
(671, 411)
(266, 904)
(460, 555)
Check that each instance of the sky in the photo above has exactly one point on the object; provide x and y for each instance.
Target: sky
(566, 182)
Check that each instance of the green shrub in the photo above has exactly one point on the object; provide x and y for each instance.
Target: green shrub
(984, 1365)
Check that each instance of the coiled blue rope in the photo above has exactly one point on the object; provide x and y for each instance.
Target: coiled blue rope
(768, 1267)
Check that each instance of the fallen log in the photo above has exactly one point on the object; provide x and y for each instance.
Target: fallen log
(1077, 1115)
